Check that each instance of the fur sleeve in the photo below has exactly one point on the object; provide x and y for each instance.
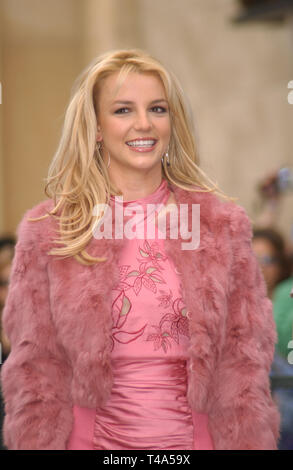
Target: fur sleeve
(247, 417)
(36, 376)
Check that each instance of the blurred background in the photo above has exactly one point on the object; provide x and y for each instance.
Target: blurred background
(234, 67)
(234, 59)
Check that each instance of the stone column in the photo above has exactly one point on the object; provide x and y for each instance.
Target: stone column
(110, 24)
(41, 56)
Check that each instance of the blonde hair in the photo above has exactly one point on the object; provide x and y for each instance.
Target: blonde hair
(78, 174)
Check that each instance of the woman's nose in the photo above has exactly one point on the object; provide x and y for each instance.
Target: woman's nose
(142, 121)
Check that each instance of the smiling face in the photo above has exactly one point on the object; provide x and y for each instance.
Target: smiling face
(139, 110)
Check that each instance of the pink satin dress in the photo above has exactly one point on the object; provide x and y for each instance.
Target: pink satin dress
(148, 407)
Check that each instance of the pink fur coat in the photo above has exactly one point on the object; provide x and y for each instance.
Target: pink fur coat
(58, 320)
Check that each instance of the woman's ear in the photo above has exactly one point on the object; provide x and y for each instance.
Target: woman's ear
(99, 136)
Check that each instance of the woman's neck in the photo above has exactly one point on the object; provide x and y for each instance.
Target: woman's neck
(133, 189)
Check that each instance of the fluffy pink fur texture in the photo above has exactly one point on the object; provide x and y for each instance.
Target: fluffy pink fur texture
(58, 320)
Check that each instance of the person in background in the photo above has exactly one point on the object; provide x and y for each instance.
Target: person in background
(275, 257)
(271, 190)
(283, 313)
(275, 253)
(269, 248)
(6, 256)
(7, 245)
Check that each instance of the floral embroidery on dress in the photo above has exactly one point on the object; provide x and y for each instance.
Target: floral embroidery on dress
(153, 252)
(171, 325)
(165, 299)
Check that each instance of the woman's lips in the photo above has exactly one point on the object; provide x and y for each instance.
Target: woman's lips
(142, 148)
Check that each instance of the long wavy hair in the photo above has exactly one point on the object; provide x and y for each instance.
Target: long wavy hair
(78, 179)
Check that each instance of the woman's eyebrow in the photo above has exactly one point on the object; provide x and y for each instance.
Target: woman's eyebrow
(132, 102)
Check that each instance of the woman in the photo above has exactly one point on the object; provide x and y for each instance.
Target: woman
(122, 342)
(270, 250)
(269, 247)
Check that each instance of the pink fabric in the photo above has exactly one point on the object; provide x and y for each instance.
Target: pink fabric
(148, 407)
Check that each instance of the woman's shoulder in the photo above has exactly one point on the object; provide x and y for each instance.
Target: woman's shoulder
(218, 211)
(32, 233)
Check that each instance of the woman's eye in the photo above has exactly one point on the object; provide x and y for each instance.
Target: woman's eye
(119, 111)
(160, 107)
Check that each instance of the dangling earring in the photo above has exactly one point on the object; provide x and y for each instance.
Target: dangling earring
(99, 147)
(167, 157)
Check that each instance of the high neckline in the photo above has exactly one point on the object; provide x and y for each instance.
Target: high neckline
(160, 195)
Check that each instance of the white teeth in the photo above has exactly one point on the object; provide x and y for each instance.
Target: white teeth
(141, 143)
